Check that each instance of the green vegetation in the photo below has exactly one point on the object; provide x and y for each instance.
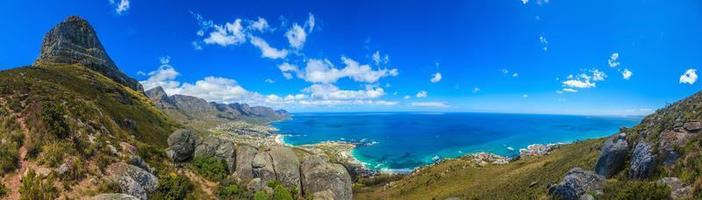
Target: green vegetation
(281, 192)
(464, 179)
(210, 168)
(261, 195)
(35, 187)
(3, 190)
(53, 116)
(9, 151)
(635, 190)
(172, 186)
(231, 191)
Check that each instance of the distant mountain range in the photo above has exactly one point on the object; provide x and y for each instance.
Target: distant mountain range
(188, 108)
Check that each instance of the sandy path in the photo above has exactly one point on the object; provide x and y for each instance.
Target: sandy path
(14, 180)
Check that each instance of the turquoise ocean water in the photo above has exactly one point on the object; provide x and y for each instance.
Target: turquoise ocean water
(404, 141)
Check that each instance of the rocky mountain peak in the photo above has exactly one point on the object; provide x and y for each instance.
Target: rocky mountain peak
(74, 41)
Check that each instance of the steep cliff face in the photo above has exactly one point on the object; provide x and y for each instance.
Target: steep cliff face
(74, 41)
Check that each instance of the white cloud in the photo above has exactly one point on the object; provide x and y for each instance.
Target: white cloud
(164, 76)
(266, 50)
(571, 90)
(435, 78)
(268, 80)
(331, 92)
(310, 23)
(525, 96)
(515, 74)
(231, 33)
(544, 42)
(422, 94)
(525, 2)
(626, 74)
(430, 104)
(121, 6)
(613, 60)
(288, 70)
(689, 77)
(323, 71)
(380, 60)
(196, 45)
(598, 75)
(260, 25)
(583, 80)
(407, 97)
(296, 36)
(506, 72)
(475, 90)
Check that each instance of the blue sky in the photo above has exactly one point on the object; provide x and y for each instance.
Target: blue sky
(566, 57)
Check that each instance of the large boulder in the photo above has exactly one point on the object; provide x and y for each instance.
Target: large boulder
(286, 166)
(113, 196)
(576, 183)
(318, 175)
(244, 158)
(612, 155)
(217, 148)
(132, 180)
(262, 167)
(181, 145)
(693, 126)
(669, 140)
(643, 162)
(679, 190)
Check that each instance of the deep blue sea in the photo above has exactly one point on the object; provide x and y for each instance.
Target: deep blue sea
(404, 141)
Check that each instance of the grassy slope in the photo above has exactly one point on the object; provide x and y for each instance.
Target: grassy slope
(94, 113)
(87, 96)
(460, 178)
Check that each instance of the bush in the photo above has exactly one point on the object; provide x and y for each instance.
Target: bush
(172, 186)
(261, 195)
(9, 153)
(37, 188)
(53, 116)
(231, 191)
(211, 168)
(280, 192)
(52, 154)
(3, 190)
(637, 190)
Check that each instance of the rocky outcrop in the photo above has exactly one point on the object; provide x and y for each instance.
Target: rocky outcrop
(181, 145)
(669, 140)
(678, 189)
(244, 158)
(318, 175)
(643, 162)
(576, 183)
(286, 166)
(74, 41)
(612, 155)
(114, 196)
(262, 167)
(218, 148)
(132, 180)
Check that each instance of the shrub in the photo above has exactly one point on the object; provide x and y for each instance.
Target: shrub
(3, 190)
(211, 168)
(638, 190)
(37, 188)
(9, 153)
(280, 192)
(261, 195)
(52, 154)
(231, 191)
(53, 116)
(172, 186)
